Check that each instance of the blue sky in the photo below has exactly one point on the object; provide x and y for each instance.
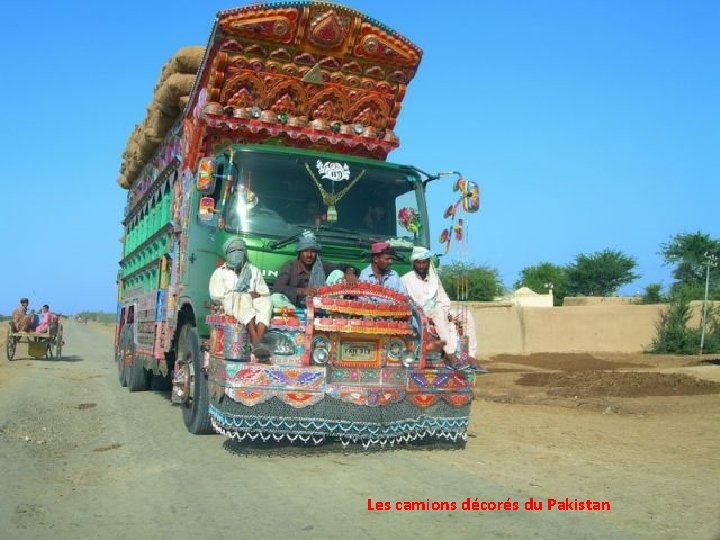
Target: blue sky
(587, 124)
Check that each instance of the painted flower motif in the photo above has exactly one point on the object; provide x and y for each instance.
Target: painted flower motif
(409, 218)
(450, 211)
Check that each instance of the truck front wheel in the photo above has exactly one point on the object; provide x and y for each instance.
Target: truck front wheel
(195, 406)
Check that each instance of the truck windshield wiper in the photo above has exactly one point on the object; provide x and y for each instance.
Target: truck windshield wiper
(276, 244)
(341, 232)
(326, 230)
(325, 227)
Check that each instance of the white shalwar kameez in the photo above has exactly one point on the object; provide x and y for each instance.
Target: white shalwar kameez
(240, 304)
(430, 294)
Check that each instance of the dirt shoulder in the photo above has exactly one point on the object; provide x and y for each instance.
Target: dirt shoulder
(637, 430)
(617, 383)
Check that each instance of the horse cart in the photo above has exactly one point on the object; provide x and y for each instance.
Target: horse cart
(40, 344)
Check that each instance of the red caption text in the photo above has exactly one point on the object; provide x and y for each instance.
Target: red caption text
(478, 505)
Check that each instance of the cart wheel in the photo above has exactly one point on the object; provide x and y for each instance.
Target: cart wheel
(58, 344)
(10, 347)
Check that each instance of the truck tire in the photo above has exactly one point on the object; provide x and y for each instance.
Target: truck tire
(196, 409)
(120, 357)
(136, 377)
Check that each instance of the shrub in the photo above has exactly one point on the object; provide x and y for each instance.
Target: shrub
(652, 294)
(674, 336)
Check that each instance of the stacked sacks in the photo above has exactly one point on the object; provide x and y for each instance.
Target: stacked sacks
(169, 100)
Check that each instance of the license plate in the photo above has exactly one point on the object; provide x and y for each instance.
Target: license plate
(358, 351)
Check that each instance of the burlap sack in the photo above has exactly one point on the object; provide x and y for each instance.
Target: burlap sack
(169, 100)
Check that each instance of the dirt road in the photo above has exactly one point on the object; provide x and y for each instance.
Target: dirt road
(83, 458)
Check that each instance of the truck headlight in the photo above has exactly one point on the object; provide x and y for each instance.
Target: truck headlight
(408, 358)
(320, 356)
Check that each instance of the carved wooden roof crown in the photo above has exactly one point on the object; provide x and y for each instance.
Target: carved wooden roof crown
(311, 73)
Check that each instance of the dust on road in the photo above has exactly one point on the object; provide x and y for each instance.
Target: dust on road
(83, 458)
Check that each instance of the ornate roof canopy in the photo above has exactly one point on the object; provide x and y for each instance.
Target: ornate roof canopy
(306, 73)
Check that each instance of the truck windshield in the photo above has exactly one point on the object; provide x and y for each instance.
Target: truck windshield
(281, 194)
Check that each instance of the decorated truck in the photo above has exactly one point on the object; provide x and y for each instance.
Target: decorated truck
(280, 125)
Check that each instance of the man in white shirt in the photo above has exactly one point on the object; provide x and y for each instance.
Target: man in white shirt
(243, 293)
(425, 288)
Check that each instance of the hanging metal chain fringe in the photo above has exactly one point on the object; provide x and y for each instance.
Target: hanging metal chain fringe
(331, 199)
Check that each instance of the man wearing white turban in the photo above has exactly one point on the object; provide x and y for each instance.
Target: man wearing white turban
(241, 289)
(425, 288)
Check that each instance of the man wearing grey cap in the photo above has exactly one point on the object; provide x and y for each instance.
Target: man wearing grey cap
(300, 278)
(243, 293)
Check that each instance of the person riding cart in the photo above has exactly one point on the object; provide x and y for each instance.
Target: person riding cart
(21, 320)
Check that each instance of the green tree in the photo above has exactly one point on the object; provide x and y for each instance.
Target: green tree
(483, 283)
(600, 274)
(688, 253)
(542, 276)
(652, 294)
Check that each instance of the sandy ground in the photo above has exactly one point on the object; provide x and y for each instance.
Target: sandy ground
(83, 458)
(638, 430)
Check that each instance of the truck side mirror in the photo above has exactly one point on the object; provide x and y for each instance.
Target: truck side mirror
(471, 198)
(205, 182)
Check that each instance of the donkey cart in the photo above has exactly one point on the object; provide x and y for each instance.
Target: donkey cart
(40, 344)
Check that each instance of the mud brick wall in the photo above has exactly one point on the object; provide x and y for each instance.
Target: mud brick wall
(593, 328)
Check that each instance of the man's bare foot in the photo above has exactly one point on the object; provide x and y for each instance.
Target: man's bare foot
(471, 364)
(452, 359)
